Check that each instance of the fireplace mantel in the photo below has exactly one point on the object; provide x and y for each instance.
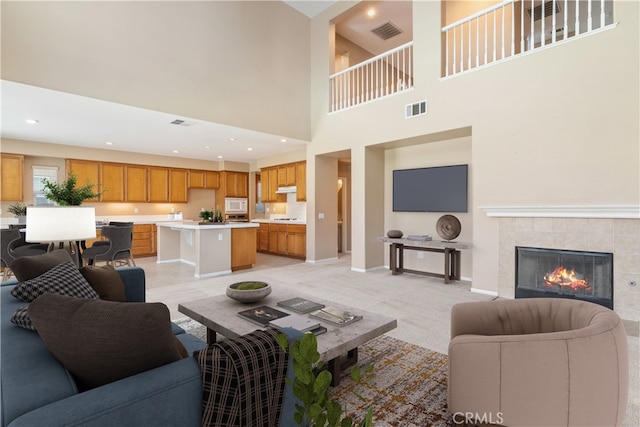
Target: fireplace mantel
(583, 211)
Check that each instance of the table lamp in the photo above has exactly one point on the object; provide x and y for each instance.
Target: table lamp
(50, 224)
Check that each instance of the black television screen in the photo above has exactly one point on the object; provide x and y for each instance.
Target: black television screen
(435, 189)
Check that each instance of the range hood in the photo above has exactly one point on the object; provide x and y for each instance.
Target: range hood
(283, 190)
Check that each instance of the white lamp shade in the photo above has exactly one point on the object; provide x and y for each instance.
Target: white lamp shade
(60, 223)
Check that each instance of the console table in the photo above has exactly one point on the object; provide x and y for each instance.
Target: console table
(451, 251)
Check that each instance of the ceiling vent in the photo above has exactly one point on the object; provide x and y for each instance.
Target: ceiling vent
(415, 109)
(179, 122)
(386, 31)
(548, 10)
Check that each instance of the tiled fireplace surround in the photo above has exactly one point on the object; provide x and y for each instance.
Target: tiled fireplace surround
(590, 229)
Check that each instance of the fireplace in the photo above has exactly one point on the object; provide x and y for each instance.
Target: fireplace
(564, 274)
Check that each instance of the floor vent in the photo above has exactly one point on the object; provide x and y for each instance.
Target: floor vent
(386, 31)
(415, 109)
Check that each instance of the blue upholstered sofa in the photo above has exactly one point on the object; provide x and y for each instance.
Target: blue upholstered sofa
(38, 390)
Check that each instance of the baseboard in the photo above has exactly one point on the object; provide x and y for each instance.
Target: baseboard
(366, 270)
(484, 292)
(313, 261)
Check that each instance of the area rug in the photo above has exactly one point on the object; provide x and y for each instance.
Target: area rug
(409, 387)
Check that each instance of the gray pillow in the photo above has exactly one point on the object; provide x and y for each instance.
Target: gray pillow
(28, 267)
(103, 341)
(63, 279)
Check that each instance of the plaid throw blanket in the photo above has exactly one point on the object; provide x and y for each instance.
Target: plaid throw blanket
(243, 380)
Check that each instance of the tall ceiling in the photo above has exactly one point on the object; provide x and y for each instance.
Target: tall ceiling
(64, 118)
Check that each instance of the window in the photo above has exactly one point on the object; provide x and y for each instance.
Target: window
(40, 173)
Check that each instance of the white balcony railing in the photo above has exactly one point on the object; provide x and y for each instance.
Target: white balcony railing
(382, 75)
(514, 27)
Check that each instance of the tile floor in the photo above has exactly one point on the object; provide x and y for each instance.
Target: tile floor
(421, 304)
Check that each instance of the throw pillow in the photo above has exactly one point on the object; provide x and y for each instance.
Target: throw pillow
(63, 279)
(21, 318)
(28, 267)
(106, 281)
(103, 341)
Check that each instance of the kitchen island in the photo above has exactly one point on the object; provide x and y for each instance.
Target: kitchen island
(213, 249)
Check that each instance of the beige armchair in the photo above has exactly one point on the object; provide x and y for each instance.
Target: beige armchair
(537, 362)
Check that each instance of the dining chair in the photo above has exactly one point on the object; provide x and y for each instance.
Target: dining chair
(116, 250)
(14, 246)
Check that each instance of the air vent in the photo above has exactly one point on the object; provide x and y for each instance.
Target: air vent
(386, 31)
(415, 109)
(179, 122)
(548, 10)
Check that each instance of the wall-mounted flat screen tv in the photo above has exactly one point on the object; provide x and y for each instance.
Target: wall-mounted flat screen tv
(434, 189)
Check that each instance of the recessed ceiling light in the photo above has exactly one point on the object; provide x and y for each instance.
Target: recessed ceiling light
(219, 157)
(32, 121)
(249, 149)
(371, 12)
(176, 151)
(283, 140)
(109, 143)
(207, 147)
(232, 139)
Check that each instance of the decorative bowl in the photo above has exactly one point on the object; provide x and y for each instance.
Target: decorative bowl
(248, 291)
(394, 234)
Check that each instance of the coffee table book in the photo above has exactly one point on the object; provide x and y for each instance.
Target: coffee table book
(300, 305)
(262, 315)
(297, 322)
(335, 316)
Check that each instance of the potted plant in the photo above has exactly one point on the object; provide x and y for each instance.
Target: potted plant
(311, 386)
(19, 210)
(67, 194)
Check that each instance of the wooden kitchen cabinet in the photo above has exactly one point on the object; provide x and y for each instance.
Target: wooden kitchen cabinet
(11, 176)
(243, 248)
(137, 183)
(263, 237)
(301, 181)
(158, 185)
(273, 185)
(178, 179)
(297, 240)
(87, 172)
(236, 184)
(287, 175)
(283, 239)
(204, 179)
(112, 182)
(144, 240)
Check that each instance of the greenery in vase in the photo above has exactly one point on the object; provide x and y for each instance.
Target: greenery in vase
(311, 386)
(67, 194)
(17, 209)
(206, 216)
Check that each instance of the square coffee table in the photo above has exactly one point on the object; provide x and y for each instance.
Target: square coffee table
(338, 347)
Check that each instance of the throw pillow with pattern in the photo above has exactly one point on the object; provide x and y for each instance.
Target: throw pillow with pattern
(21, 318)
(63, 279)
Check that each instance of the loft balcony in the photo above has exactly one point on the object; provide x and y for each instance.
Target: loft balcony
(483, 38)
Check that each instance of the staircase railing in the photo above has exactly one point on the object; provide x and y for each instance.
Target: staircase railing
(380, 76)
(512, 27)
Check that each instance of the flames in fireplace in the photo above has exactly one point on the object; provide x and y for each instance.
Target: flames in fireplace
(562, 278)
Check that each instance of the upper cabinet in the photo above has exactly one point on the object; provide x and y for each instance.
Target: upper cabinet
(301, 181)
(236, 184)
(290, 174)
(11, 176)
(87, 172)
(178, 185)
(137, 187)
(204, 179)
(112, 179)
(158, 185)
